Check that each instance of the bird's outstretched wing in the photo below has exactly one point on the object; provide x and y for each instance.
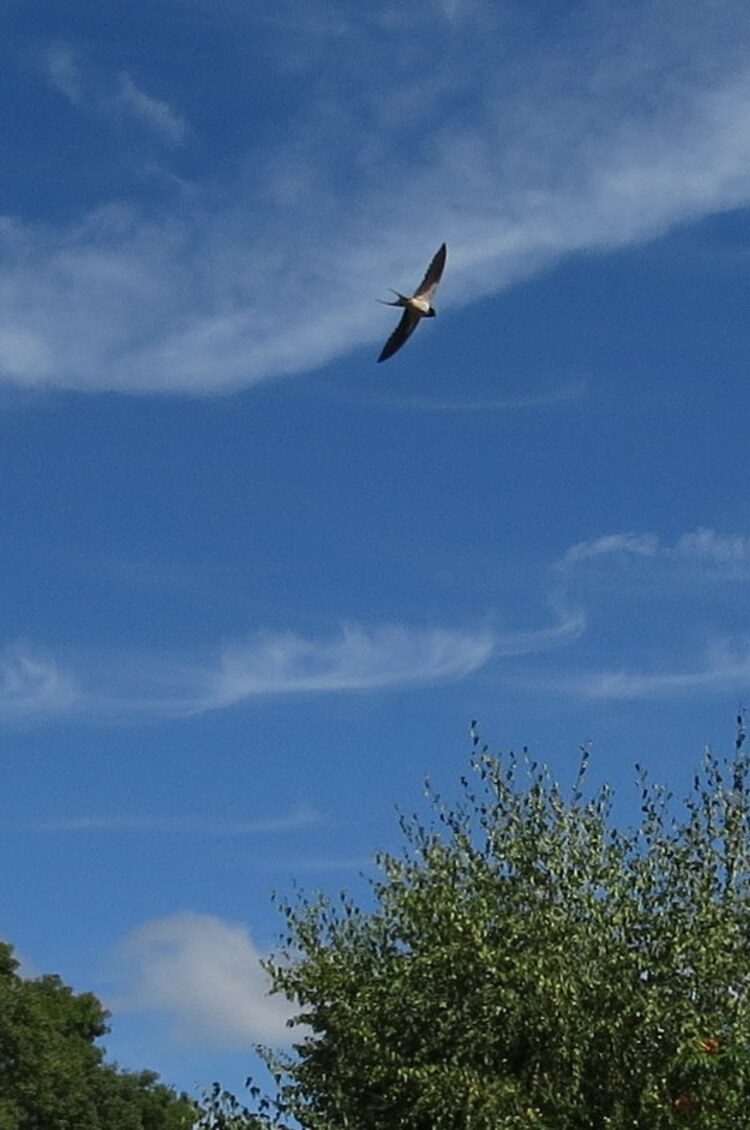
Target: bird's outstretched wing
(412, 312)
(402, 333)
(429, 283)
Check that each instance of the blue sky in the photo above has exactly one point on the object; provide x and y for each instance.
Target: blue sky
(257, 586)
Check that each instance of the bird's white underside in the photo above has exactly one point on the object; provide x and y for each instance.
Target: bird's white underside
(421, 305)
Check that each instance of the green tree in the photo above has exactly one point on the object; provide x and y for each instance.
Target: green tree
(525, 964)
(52, 1074)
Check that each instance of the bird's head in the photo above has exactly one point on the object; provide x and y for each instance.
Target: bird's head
(430, 313)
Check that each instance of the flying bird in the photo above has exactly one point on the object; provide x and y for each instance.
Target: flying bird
(418, 306)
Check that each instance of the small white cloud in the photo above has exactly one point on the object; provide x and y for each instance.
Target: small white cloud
(204, 975)
(151, 112)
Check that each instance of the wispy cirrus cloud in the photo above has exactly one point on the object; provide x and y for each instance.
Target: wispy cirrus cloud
(60, 65)
(154, 113)
(729, 554)
(694, 645)
(116, 688)
(110, 98)
(517, 156)
(599, 593)
(33, 685)
(203, 975)
(355, 660)
(568, 625)
(724, 668)
(701, 553)
(639, 545)
(569, 394)
(177, 825)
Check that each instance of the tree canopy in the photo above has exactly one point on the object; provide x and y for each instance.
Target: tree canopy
(524, 963)
(52, 1073)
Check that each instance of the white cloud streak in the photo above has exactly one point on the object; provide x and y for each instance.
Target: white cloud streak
(33, 685)
(640, 545)
(178, 825)
(571, 623)
(34, 689)
(723, 669)
(107, 98)
(61, 69)
(204, 975)
(156, 115)
(129, 690)
(355, 660)
(564, 395)
(706, 547)
(700, 551)
(626, 570)
(606, 571)
(517, 159)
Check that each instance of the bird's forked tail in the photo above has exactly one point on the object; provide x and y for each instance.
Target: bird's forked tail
(401, 300)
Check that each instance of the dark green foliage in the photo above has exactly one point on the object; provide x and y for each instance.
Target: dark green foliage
(528, 965)
(52, 1074)
(222, 1111)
